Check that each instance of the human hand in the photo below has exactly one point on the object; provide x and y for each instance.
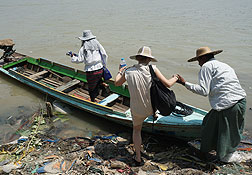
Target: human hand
(121, 69)
(175, 76)
(69, 53)
(181, 80)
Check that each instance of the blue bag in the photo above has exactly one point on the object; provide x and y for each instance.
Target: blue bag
(106, 74)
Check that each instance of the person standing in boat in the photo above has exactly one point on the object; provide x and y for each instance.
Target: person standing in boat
(94, 56)
(138, 78)
(223, 125)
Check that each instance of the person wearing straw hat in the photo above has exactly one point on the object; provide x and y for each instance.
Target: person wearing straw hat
(7, 46)
(94, 56)
(138, 78)
(222, 127)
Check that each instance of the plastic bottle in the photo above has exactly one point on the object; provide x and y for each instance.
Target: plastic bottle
(122, 63)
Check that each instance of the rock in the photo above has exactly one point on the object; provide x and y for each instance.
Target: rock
(149, 166)
(106, 150)
(106, 170)
(117, 164)
(141, 172)
(4, 161)
(163, 167)
(9, 167)
(191, 171)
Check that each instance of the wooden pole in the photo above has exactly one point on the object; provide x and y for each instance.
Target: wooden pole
(49, 109)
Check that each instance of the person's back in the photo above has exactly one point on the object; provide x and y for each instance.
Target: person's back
(139, 82)
(94, 56)
(223, 125)
(225, 88)
(138, 78)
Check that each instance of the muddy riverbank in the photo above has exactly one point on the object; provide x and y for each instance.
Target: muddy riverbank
(34, 147)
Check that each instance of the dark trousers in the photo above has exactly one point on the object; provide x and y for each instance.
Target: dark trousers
(94, 79)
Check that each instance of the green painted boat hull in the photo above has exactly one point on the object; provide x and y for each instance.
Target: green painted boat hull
(186, 128)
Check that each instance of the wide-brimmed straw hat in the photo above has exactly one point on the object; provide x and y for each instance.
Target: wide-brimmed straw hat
(145, 52)
(87, 35)
(203, 51)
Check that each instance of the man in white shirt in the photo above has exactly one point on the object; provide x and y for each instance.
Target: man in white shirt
(222, 127)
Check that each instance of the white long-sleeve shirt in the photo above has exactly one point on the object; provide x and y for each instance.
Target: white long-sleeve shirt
(219, 82)
(91, 58)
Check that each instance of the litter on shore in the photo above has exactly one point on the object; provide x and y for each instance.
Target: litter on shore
(38, 150)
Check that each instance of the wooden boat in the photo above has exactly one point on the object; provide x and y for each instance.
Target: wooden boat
(70, 86)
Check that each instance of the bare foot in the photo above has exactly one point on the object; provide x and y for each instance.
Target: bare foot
(105, 84)
(95, 101)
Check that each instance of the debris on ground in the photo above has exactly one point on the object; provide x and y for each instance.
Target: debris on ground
(38, 150)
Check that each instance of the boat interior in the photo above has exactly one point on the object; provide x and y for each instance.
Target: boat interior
(73, 82)
(72, 86)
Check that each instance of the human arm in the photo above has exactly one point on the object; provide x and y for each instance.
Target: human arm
(120, 77)
(203, 88)
(167, 82)
(80, 58)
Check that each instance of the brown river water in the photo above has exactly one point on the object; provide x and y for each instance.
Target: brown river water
(173, 29)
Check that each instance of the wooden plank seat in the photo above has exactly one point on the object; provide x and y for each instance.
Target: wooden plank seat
(54, 81)
(37, 75)
(109, 99)
(68, 85)
(26, 74)
(49, 83)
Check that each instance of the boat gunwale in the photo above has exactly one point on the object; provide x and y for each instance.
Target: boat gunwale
(120, 117)
(35, 61)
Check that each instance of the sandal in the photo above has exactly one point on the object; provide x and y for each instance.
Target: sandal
(136, 163)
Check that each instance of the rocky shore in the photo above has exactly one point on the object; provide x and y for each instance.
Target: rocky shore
(34, 148)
